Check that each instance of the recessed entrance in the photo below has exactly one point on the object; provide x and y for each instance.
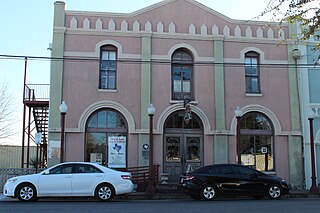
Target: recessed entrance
(183, 144)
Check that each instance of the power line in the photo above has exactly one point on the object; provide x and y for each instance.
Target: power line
(156, 61)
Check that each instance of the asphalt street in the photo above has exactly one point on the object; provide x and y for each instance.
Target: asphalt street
(165, 206)
(291, 205)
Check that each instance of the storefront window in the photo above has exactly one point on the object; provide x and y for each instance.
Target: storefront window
(106, 138)
(257, 142)
(96, 147)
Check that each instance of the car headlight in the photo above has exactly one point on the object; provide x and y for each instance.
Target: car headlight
(12, 180)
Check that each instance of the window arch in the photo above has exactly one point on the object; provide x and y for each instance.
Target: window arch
(182, 74)
(256, 141)
(106, 138)
(252, 72)
(108, 67)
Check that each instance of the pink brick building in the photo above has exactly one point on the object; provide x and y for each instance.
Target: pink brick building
(115, 65)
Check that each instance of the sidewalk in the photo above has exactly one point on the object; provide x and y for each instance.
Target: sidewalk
(175, 196)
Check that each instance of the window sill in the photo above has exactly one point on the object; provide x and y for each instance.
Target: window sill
(107, 90)
(253, 94)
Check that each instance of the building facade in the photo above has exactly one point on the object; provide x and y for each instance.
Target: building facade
(308, 71)
(195, 70)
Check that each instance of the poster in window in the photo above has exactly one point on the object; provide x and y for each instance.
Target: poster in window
(186, 86)
(177, 86)
(117, 152)
(96, 157)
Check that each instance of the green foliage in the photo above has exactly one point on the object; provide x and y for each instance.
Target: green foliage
(305, 12)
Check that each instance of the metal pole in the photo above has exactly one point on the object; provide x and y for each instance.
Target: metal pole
(29, 133)
(150, 187)
(63, 114)
(37, 157)
(314, 188)
(24, 112)
(238, 139)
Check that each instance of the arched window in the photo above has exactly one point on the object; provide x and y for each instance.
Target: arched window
(106, 138)
(181, 69)
(108, 67)
(257, 141)
(252, 69)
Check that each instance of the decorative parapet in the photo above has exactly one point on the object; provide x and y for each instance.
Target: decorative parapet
(99, 24)
(192, 29)
(136, 26)
(86, 24)
(73, 23)
(112, 25)
(230, 30)
(160, 27)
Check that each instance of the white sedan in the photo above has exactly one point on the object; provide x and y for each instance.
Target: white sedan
(72, 179)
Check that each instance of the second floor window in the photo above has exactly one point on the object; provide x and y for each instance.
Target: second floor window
(252, 72)
(108, 67)
(181, 69)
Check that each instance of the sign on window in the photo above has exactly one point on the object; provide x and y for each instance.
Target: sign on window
(117, 152)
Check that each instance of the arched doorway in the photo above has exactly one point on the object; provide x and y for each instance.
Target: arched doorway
(183, 144)
(106, 138)
(256, 145)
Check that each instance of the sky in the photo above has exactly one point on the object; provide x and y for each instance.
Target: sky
(27, 26)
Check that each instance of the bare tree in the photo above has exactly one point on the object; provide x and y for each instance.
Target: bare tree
(305, 12)
(7, 111)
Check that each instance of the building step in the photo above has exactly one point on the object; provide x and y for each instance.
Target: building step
(168, 188)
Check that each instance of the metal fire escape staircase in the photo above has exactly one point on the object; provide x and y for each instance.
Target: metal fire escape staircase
(35, 120)
(41, 114)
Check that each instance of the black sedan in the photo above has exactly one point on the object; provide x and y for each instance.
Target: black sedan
(209, 182)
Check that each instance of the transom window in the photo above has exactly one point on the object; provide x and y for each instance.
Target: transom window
(176, 121)
(252, 72)
(108, 67)
(181, 66)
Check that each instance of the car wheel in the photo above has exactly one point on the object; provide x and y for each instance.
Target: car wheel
(105, 192)
(209, 192)
(27, 192)
(274, 192)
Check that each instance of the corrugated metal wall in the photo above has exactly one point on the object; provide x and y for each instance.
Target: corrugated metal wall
(10, 156)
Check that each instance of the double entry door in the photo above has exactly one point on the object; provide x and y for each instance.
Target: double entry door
(182, 152)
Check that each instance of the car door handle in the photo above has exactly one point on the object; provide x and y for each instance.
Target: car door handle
(69, 176)
(99, 175)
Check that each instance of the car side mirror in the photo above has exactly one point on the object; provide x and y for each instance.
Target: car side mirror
(46, 172)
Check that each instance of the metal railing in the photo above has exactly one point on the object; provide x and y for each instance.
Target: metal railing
(140, 175)
(36, 92)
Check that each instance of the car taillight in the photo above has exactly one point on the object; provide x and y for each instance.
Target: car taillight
(189, 177)
(126, 177)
